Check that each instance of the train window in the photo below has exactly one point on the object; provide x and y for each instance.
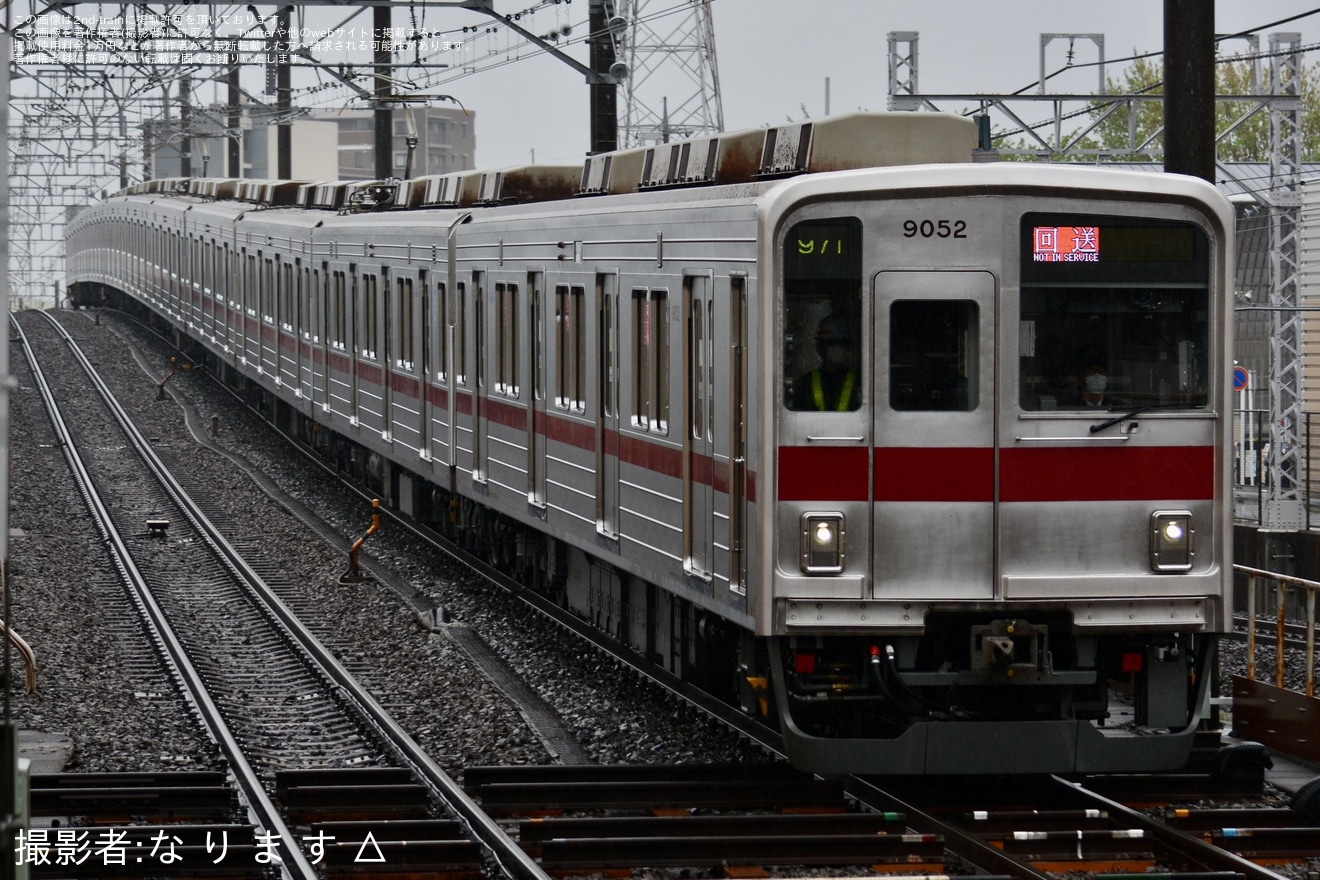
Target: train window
(250, 290)
(479, 330)
(340, 337)
(506, 340)
(305, 289)
(537, 334)
(407, 307)
(267, 290)
(370, 314)
(651, 360)
(608, 346)
(700, 329)
(228, 276)
(822, 320)
(570, 352)
(565, 356)
(579, 329)
(1115, 313)
(460, 334)
(287, 291)
(315, 298)
(442, 341)
(933, 357)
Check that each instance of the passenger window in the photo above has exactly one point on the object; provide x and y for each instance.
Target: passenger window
(651, 359)
(506, 338)
(933, 356)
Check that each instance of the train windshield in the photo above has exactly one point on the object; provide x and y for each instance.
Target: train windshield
(823, 316)
(1115, 313)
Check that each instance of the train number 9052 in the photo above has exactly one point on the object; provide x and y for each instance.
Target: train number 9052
(935, 228)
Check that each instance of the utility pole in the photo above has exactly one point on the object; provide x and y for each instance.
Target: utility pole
(1189, 93)
(234, 125)
(284, 96)
(123, 146)
(185, 125)
(604, 92)
(380, 22)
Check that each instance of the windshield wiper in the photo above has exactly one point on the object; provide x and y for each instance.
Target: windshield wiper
(1109, 423)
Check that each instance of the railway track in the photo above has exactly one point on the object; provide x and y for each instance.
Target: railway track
(270, 695)
(1114, 823)
(656, 817)
(967, 844)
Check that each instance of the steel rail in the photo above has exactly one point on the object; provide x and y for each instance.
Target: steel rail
(262, 811)
(510, 858)
(965, 844)
(1189, 846)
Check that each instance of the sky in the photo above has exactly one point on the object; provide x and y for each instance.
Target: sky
(775, 56)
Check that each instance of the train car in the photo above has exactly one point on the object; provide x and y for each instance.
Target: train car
(919, 457)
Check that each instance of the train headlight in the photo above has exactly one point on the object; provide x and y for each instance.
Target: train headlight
(1171, 536)
(822, 543)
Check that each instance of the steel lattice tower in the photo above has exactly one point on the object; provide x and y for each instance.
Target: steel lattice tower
(672, 89)
(1287, 496)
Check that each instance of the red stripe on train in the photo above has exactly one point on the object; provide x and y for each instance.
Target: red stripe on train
(909, 474)
(836, 473)
(941, 474)
(1108, 473)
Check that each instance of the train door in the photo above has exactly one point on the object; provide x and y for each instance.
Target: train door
(699, 447)
(607, 418)
(934, 435)
(480, 405)
(536, 417)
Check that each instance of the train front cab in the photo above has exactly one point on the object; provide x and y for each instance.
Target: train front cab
(1001, 543)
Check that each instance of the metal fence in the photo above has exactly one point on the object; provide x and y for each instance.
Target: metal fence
(1273, 594)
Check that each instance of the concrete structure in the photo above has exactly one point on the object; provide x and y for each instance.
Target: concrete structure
(314, 142)
(446, 141)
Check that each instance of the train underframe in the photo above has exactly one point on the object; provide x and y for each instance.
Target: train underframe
(982, 692)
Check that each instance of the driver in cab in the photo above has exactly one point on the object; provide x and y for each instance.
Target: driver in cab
(834, 385)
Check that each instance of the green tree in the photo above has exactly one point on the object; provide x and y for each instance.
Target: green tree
(1131, 132)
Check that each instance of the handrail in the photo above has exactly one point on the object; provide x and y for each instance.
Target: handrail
(1312, 587)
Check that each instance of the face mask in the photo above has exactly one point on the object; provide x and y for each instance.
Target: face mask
(836, 355)
(1095, 383)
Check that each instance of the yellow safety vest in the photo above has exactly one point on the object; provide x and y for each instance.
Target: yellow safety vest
(845, 393)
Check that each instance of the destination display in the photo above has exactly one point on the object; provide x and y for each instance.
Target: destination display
(1123, 244)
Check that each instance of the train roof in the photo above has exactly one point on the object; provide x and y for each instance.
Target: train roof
(855, 140)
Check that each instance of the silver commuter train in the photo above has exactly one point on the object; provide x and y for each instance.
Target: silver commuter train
(925, 461)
